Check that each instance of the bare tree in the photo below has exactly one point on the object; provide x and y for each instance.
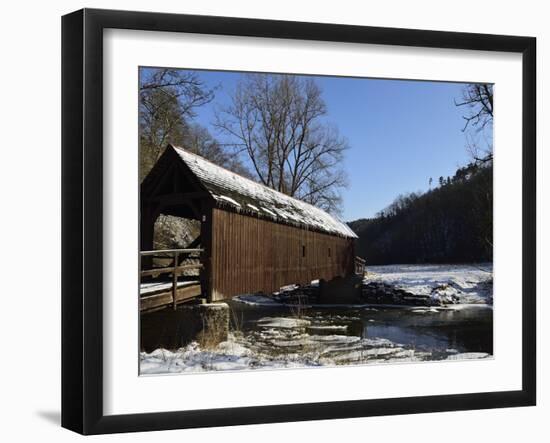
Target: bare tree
(167, 101)
(478, 99)
(279, 123)
(199, 140)
(184, 86)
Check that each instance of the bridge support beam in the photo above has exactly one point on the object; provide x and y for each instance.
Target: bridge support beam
(206, 256)
(148, 216)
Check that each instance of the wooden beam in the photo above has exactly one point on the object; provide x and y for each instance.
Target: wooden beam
(175, 283)
(163, 299)
(206, 256)
(163, 179)
(195, 243)
(178, 199)
(147, 232)
(169, 270)
(171, 251)
(194, 208)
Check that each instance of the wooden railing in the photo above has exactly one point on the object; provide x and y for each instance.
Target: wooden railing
(360, 266)
(175, 269)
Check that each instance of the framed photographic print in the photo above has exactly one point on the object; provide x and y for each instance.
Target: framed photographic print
(270, 221)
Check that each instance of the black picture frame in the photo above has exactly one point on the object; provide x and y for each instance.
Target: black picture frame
(82, 217)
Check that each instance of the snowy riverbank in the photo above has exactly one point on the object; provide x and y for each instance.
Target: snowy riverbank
(455, 286)
(271, 335)
(301, 350)
(472, 284)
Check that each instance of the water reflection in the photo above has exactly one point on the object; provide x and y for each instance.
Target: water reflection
(428, 334)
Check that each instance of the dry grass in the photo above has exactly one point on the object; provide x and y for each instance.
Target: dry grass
(212, 334)
(236, 321)
(297, 309)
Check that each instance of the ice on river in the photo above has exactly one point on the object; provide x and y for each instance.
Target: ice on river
(298, 351)
(287, 342)
(325, 336)
(470, 283)
(282, 322)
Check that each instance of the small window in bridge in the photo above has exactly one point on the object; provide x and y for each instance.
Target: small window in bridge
(329, 252)
(303, 251)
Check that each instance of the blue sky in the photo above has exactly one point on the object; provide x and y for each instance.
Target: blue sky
(400, 133)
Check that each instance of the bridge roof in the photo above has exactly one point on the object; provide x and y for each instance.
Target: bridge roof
(231, 190)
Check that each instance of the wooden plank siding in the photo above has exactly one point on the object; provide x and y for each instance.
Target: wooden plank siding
(250, 255)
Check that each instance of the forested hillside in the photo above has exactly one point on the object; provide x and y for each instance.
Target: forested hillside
(451, 223)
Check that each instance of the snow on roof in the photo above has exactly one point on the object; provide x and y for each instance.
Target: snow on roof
(243, 194)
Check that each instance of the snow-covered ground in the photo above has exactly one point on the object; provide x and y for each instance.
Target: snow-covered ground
(470, 283)
(150, 288)
(273, 349)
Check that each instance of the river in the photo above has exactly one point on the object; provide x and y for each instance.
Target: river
(267, 335)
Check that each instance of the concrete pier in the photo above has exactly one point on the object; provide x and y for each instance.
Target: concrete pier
(341, 290)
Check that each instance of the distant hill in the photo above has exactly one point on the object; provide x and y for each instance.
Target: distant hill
(451, 223)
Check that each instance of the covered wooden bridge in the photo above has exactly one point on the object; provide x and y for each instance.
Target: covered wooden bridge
(252, 238)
